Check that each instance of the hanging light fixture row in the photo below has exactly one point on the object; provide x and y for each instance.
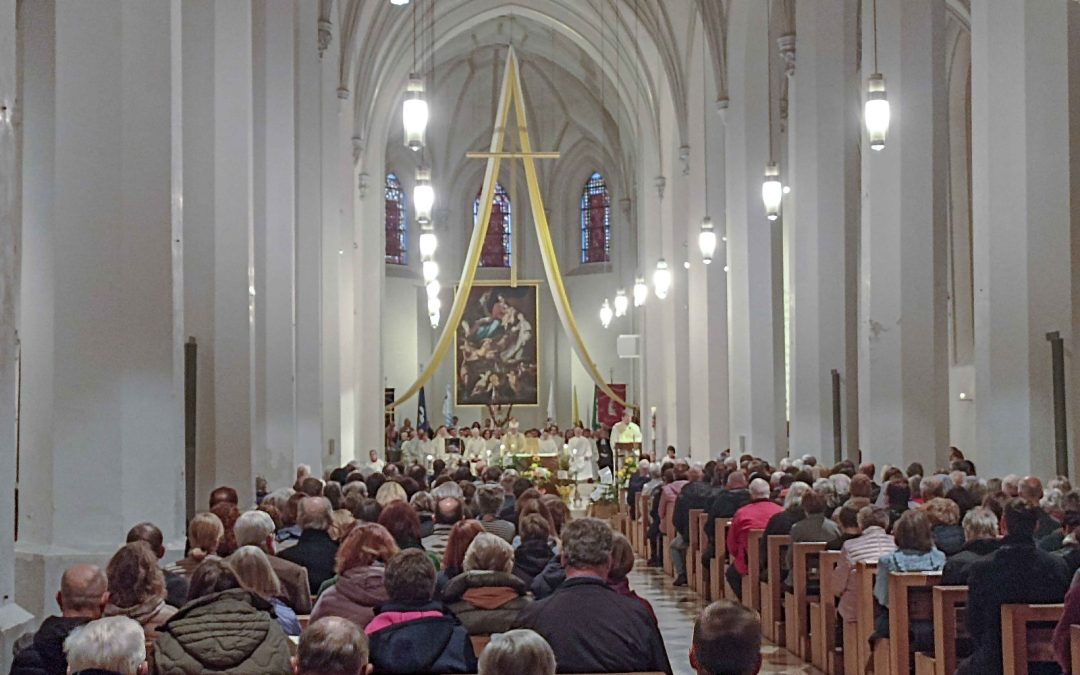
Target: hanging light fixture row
(606, 313)
(876, 109)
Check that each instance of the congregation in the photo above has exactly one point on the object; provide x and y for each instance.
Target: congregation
(392, 568)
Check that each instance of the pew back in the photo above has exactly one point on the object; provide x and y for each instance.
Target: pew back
(752, 581)
(824, 654)
(910, 599)
(950, 626)
(1026, 635)
(772, 588)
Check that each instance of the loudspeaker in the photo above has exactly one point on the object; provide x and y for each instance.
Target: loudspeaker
(629, 346)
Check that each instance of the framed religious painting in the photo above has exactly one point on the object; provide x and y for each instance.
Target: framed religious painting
(496, 359)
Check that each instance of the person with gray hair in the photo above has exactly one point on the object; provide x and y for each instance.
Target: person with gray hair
(256, 528)
(84, 592)
(332, 646)
(590, 627)
(489, 501)
(315, 551)
(113, 645)
(521, 651)
(980, 542)
(487, 598)
(873, 543)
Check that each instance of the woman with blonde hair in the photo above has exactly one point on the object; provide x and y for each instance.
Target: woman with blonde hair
(253, 571)
(359, 586)
(137, 588)
(391, 491)
(205, 533)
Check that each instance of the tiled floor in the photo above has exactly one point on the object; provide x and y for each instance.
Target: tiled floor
(676, 608)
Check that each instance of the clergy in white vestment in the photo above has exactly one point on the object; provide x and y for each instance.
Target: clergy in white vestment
(582, 456)
(514, 440)
(410, 449)
(547, 445)
(374, 464)
(475, 445)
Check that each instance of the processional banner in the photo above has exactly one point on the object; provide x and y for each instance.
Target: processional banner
(496, 355)
(608, 410)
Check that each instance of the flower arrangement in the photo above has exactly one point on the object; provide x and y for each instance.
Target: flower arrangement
(627, 471)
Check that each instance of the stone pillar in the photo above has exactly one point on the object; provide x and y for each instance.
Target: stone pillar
(275, 232)
(648, 318)
(334, 254)
(1021, 209)
(707, 291)
(824, 200)
(234, 274)
(756, 350)
(308, 241)
(13, 619)
(370, 282)
(102, 388)
(903, 365)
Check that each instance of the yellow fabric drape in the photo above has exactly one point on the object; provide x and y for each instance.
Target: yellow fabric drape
(511, 90)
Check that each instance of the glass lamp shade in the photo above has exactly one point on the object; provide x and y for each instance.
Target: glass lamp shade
(423, 196)
(435, 318)
(661, 279)
(433, 305)
(606, 313)
(876, 111)
(772, 191)
(622, 303)
(399, 2)
(707, 240)
(428, 243)
(641, 292)
(431, 271)
(414, 113)
(433, 289)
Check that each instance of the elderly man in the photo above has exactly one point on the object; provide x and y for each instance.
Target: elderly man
(332, 646)
(448, 511)
(111, 646)
(637, 482)
(315, 551)
(668, 495)
(176, 587)
(695, 495)
(873, 543)
(727, 639)
(724, 504)
(489, 501)
(980, 541)
(1031, 491)
(256, 528)
(755, 515)
(84, 592)
(590, 627)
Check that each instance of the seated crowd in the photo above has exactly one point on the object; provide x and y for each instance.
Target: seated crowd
(401, 570)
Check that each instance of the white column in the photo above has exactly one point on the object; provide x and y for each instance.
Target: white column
(334, 253)
(824, 199)
(370, 285)
(648, 316)
(234, 298)
(707, 292)
(308, 239)
(756, 349)
(675, 321)
(903, 413)
(275, 230)
(1021, 209)
(101, 385)
(13, 619)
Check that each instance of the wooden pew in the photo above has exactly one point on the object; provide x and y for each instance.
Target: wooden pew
(751, 583)
(950, 626)
(702, 579)
(772, 588)
(806, 588)
(1026, 633)
(667, 530)
(824, 652)
(693, 549)
(865, 574)
(643, 515)
(718, 565)
(910, 599)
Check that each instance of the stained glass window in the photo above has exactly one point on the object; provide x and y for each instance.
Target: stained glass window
(396, 223)
(595, 221)
(496, 250)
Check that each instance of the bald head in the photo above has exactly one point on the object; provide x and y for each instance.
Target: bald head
(84, 591)
(1031, 490)
(695, 474)
(149, 533)
(313, 513)
(736, 480)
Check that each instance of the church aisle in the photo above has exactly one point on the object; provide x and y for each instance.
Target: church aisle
(676, 609)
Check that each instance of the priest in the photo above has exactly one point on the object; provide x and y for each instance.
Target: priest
(625, 430)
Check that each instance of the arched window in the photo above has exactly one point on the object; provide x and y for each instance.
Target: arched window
(496, 250)
(397, 226)
(595, 221)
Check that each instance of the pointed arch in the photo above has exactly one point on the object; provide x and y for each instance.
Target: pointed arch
(595, 220)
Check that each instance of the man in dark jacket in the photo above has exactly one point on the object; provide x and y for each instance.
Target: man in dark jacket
(84, 592)
(696, 495)
(412, 634)
(605, 455)
(315, 551)
(637, 481)
(1016, 573)
(724, 504)
(980, 535)
(590, 627)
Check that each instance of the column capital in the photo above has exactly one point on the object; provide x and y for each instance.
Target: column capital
(325, 34)
(660, 182)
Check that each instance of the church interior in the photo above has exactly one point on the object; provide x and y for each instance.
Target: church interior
(718, 284)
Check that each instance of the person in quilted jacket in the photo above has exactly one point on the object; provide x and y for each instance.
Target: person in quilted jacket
(487, 597)
(222, 629)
